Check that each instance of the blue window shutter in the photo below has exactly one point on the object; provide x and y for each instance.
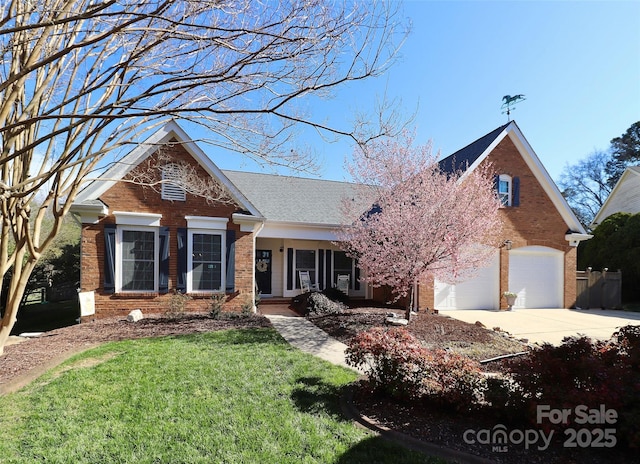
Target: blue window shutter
(109, 258)
(321, 274)
(516, 192)
(231, 260)
(163, 282)
(181, 281)
(290, 269)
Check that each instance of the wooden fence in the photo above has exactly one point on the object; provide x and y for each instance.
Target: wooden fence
(599, 289)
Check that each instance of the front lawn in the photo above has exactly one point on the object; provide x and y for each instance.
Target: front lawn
(235, 396)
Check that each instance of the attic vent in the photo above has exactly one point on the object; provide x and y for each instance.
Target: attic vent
(172, 191)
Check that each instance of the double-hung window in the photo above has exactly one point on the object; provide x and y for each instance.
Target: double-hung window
(504, 189)
(206, 250)
(139, 266)
(137, 252)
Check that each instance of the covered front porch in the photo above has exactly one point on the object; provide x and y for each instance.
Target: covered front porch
(279, 261)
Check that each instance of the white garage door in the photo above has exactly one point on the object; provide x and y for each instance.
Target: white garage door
(479, 292)
(536, 274)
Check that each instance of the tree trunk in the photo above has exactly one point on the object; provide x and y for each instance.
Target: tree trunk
(9, 319)
(15, 291)
(407, 314)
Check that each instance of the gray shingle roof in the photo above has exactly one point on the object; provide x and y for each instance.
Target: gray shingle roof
(297, 199)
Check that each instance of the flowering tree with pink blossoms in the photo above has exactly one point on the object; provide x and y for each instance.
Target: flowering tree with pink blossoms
(423, 222)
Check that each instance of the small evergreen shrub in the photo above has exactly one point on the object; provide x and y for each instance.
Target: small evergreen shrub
(583, 372)
(398, 365)
(215, 305)
(454, 379)
(311, 303)
(394, 360)
(177, 305)
(319, 304)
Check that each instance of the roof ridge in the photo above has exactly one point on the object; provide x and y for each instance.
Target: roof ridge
(288, 176)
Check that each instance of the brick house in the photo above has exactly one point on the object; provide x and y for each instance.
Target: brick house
(141, 245)
(537, 259)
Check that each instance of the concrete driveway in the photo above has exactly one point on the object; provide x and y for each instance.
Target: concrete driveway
(550, 325)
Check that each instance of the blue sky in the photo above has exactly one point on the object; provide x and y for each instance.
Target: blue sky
(576, 62)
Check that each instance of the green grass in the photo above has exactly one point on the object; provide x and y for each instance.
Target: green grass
(240, 396)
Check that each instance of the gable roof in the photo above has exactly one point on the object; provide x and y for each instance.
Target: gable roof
(469, 157)
(297, 199)
(466, 156)
(89, 197)
(624, 197)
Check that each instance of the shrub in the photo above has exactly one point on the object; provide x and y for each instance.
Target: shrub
(328, 301)
(398, 364)
(176, 306)
(394, 360)
(576, 372)
(247, 305)
(454, 379)
(335, 294)
(319, 304)
(216, 303)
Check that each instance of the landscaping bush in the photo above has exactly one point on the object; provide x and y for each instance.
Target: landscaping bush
(216, 303)
(454, 379)
(335, 294)
(176, 305)
(578, 371)
(319, 303)
(397, 364)
(583, 372)
(395, 361)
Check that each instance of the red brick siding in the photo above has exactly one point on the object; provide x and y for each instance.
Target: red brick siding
(130, 197)
(535, 222)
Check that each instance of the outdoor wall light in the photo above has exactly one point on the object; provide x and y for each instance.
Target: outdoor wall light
(508, 244)
(281, 249)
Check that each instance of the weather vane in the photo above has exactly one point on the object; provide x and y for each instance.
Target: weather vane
(509, 103)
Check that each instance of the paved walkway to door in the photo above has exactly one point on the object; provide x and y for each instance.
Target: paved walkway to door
(304, 335)
(550, 325)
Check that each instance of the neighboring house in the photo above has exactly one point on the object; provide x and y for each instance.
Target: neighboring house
(538, 257)
(139, 245)
(624, 198)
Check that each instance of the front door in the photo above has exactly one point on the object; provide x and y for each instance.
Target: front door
(263, 271)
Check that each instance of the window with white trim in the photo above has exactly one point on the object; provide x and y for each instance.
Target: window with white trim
(137, 258)
(206, 251)
(206, 261)
(504, 189)
(172, 190)
(305, 260)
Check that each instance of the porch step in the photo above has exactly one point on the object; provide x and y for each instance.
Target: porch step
(275, 301)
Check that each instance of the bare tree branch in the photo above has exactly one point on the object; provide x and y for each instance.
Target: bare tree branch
(81, 79)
